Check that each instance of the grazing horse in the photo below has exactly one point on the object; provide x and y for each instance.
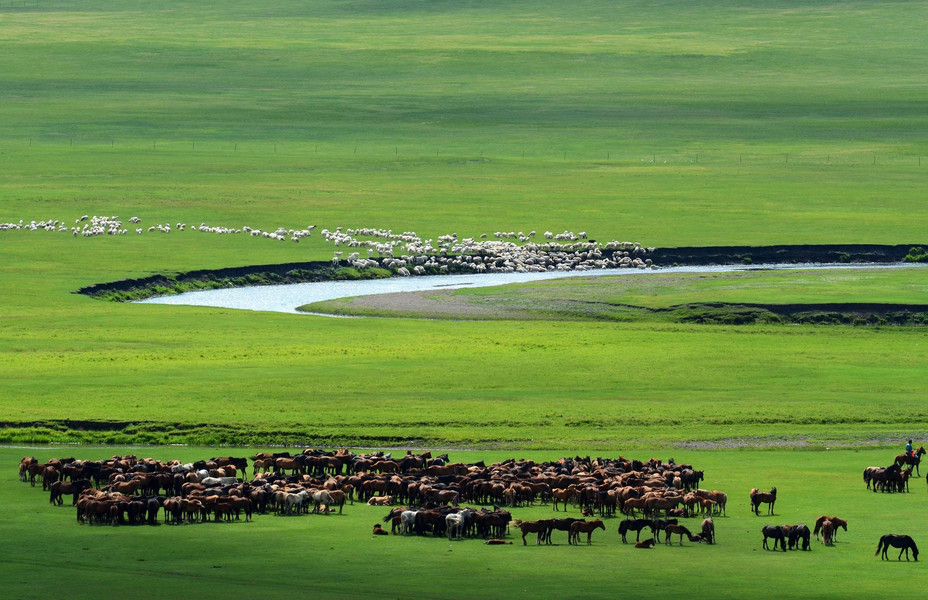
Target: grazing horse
(681, 531)
(708, 530)
(635, 525)
(835, 521)
(776, 532)
(897, 541)
(588, 527)
(913, 460)
(828, 532)
(757, 498)
(796, 533)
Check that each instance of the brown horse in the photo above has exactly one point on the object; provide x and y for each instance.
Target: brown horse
(708, 530)
(828, 532)
(680, 530)
(913, 460)
(539, 527)
(648, 543)
(836, 522)
(588, 527)
(757, 498)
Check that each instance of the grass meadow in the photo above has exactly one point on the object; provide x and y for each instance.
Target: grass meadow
(668, 123)
(336, 555)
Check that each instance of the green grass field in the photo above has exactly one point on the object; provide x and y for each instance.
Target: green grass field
(336, 555)
(668, 123)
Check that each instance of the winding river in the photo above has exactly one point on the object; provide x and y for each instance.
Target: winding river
(286, 298)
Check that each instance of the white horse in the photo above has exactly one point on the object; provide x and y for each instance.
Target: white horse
(408, 521)
(454, 523)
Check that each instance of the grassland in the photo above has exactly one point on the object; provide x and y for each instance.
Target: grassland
(670, 123)
(336, 556)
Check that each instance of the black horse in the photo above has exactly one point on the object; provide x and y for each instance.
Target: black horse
(797, 533)
(897, 541)
(635, 525)
(777, 533)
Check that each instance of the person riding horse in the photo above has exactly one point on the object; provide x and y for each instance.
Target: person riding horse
(908, 449)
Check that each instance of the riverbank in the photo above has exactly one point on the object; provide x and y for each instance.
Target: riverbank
(166, 284)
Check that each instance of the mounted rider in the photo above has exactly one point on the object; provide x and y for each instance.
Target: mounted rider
(908, 449)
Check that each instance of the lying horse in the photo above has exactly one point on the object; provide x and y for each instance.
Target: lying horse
(588, 527)
(897, 541)
(777, 533)
(757, 498)
(648, 543)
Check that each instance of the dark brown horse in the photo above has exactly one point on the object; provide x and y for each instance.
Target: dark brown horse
(680, 530)
(587, 527)
(72, 488)
(897, 541)
(913, 460)
(758, 498)
(539, 527)
(836, 522)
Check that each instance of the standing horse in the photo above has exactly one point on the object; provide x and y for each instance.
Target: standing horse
(837, 522)
(539, 527)
(757, 498)
(913, 460)
(588, 527)
(635, 525)
(897, 541)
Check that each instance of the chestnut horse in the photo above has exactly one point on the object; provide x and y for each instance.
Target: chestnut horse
(897, 541)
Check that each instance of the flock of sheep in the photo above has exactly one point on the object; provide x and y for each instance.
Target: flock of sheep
(403, 253)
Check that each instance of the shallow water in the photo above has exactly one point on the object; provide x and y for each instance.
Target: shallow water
(286, 298)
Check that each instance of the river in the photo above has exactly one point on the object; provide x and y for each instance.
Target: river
(286, 298)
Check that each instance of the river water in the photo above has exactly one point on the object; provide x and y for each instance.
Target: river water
(286, 298)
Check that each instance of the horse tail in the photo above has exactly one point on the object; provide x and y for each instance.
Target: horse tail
(879, 546)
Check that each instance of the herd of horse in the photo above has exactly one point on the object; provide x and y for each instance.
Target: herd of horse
(894, 478)
(127, 489)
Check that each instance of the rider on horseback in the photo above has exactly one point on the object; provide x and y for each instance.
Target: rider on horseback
(908, 449)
